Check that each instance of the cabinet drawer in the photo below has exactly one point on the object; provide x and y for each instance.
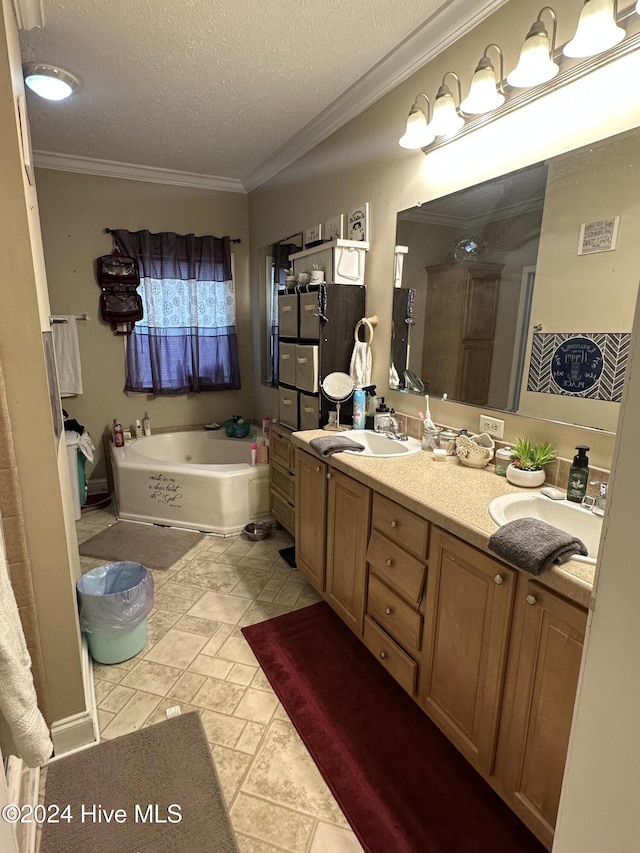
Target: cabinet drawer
(307, 367)
(284, 512)
(390, 655)
(309, 319)
(399, 570)
(394, 615)
(288, 315)
(288, 407)
(309, 412)
(282, 480)
(287, 360)
(400, 525)
(280, 450)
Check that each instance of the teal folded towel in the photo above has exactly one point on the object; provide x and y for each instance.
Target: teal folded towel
(330, 444)
(533, 545)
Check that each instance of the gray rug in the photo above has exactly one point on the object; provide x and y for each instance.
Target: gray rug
(167, 766)
(154, 547)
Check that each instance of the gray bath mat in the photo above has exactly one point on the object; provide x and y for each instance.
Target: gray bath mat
(154, 547)
(163, 780)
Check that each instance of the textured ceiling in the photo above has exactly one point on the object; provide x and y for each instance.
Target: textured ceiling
(212, 87)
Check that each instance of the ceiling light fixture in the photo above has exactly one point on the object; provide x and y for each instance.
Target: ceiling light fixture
(597, 29)
(485, 93)
(48, 81)
(418, 132)
(536, 63)
(446, 118)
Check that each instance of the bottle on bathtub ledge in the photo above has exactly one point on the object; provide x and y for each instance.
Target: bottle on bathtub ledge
(146, 424)
(254, 452)
(262, 453)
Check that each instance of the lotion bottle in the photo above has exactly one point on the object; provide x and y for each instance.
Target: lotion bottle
(578, 475)
(138, 428)
(146, 424)
(254, 452)
(118, 434)
(359, 407)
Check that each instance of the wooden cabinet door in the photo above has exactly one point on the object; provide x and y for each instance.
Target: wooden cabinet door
(475, 372)
(311, 518)
(467, 623)
(481, 305)
(540, 693)
(348, 517)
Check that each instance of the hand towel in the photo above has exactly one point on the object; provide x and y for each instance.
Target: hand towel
(18, 702)
(67, 350)
(533, 545)
(360, 367)
(330, 444)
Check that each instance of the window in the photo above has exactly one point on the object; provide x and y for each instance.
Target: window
(187, 340)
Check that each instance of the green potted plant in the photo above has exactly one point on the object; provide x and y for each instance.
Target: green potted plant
(290, 277)
(528, 461)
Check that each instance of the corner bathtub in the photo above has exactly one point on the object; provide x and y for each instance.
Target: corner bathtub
(198, 479)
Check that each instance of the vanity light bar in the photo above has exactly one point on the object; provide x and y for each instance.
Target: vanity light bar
(570, 71)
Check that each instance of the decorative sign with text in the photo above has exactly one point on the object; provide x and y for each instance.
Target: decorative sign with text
(165, 490)
(588, 364)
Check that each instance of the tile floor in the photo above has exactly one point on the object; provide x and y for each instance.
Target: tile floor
(197, 657)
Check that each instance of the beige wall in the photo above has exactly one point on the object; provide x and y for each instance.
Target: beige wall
(363, 162)
(74, 211)
(41, 486)
(587, 293)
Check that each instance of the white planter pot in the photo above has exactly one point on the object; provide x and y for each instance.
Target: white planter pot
(317, 277)
(528, 479)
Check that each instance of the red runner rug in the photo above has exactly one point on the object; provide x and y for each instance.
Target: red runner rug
(400, 783)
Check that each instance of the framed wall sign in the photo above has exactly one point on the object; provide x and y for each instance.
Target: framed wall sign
(358, 223)
(600, 236)
(333, 228)
(313, 236)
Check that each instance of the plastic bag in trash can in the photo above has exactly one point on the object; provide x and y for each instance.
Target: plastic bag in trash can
(114, 596)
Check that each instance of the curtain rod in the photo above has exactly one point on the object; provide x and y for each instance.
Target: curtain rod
(232, 239)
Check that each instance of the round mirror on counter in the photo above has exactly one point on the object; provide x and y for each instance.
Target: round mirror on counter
(337, 387)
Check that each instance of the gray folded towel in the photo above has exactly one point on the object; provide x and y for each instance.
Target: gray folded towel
(329, 444)
(534, 545)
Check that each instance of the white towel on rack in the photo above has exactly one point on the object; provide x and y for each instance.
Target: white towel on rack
(65, 344)
(18, 702)
(360, 368)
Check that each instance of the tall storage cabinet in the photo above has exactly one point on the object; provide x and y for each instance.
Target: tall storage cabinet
(458, 350)
(316, 337)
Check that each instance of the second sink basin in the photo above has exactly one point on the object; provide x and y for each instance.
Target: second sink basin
(379, 445)
(565, 515)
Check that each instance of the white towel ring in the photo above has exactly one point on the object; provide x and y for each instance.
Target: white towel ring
(368, 326)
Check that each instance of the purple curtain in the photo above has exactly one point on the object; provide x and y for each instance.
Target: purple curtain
(177, 359)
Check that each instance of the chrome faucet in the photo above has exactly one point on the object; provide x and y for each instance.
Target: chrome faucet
(393, 430)
(597, 504)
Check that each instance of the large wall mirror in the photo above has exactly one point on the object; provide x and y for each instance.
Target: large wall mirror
(498, 283)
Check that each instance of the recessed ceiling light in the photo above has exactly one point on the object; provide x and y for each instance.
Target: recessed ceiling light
(48, 81)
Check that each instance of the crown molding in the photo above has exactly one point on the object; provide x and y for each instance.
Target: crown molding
(438, 32)
(29, 13)
(510, 211)
(132, 172)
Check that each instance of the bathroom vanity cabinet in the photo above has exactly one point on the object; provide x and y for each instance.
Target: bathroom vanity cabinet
(462, 670)
(489, 653)
(282, 474)
(542, 677)
(459, 329)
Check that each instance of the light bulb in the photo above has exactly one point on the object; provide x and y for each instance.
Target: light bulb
(483, 94)
(418, 134)
(446, 119)
(49, 82)
(597, 30)
(535, 64)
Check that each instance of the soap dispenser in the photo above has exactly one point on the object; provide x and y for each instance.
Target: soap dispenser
(578, 475)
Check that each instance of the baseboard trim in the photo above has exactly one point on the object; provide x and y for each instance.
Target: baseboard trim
(97, 487)
(78, 731)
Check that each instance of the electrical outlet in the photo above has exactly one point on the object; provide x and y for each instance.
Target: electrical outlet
(493, 426)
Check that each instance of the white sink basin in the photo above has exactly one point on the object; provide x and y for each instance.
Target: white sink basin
(379, 445)
(565, 515)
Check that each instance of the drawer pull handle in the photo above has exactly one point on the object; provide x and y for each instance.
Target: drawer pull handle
(302, 360)
(388, 563)
(388, 611)
(383, 655)
(284, 356)
(328, 475)
(286, 308)
(531, 599)
(498, 579)
(394, 523)
(309, 307)
(317, 468)
(286, 402)
(308, 409)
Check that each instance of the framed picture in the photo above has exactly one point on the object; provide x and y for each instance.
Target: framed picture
(600, 236)
(358, 223)
(334, 228)
(312, 236)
